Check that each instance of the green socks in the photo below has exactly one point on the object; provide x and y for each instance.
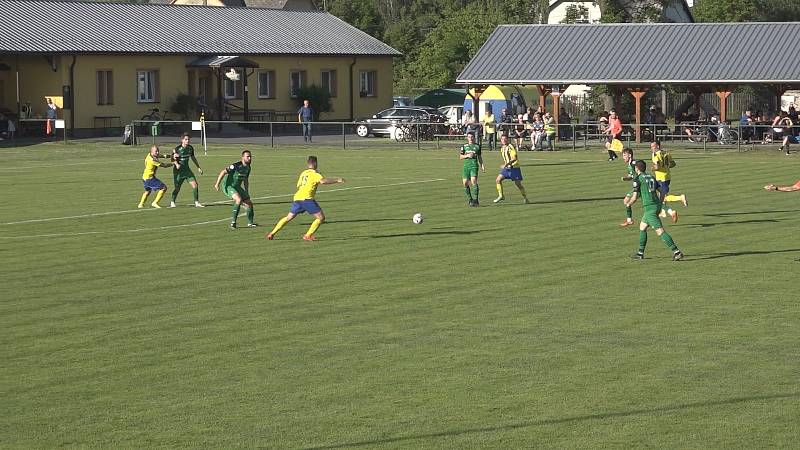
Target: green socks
(668, 240)
(643, 240)
(250, 215)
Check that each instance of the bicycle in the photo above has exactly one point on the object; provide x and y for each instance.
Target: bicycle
(153, 118)
(724, 134)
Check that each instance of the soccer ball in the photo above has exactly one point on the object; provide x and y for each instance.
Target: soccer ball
(417, 219)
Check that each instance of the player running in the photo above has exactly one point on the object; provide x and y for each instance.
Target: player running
(470, 153)
(151, 183)
(509, 170)
(236, 187)
(662, 163)
(182, 172)
(627, 156)
(645, 186)
(303, 200)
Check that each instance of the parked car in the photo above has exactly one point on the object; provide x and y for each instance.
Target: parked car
(402, 101)
(382, 123)
(452, 113)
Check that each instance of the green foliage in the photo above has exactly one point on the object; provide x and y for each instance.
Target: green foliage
(576, 13)
(184, 106)
(724, 10)
(320, 99)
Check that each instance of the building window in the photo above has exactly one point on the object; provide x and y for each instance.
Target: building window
(231, 87)
(368, 83)
(297, 81)
(147, 86)
(105, 87)
(329, 82)
(266, 84)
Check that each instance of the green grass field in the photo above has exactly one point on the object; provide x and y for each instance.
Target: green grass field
(504, 326)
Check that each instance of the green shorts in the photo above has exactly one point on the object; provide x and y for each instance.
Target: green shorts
(651, 218)
(179, 177)
(230, 190)
(468, 172)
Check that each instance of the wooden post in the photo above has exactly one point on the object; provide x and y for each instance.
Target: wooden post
(544, 91)
(723, 94)
(637, 94)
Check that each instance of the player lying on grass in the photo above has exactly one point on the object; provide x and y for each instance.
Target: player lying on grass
(236, 187)
(151, 183)
(792, 188)
(645, 187)
(303, 200)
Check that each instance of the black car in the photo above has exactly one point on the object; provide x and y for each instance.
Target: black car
(381, 123)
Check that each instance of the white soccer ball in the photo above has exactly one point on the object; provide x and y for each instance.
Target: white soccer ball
(418, 218)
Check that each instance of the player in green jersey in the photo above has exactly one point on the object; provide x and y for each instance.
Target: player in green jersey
(470, 153)
(182, 172)
(645, 187)
(236, 187)
(627, 156)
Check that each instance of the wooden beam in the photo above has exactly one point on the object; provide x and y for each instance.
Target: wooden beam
(723, 93)
(544, 91)
(637, 94)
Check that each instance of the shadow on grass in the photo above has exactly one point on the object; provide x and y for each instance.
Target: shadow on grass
(744, 253)
(751, 212)
(572, 419)
(737, 222)
(575, 200)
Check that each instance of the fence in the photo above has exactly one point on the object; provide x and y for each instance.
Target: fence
(573, 136)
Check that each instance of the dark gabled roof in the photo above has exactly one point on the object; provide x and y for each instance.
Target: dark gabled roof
(85, 27)
(648, 53)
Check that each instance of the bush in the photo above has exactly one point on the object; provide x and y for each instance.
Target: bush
(320, 99)
(184, 106)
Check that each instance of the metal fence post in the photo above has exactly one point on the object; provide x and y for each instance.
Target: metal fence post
(739, 138)
(344, 138)
(271, 136)
(417, 136)
(585, 135)
(572, 126)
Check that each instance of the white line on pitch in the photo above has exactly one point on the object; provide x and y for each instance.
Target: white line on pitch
(109, 213)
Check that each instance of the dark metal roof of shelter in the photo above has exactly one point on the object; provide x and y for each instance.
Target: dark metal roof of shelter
(646, 53)
(85, 27)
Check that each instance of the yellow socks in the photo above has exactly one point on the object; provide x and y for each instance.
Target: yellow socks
(159, 196)
(144, 198)
(499, 189)
(673, 198)
(313, 228)
(278, 226)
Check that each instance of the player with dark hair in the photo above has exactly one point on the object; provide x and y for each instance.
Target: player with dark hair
(470, 153)
(182, 172)
(509, 170)
(237, 186)
(627, 156)
(644, 187)
(303, 200)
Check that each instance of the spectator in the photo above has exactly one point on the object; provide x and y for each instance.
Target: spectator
(792, 113)
(614, 131)
(519, 131)
(537, 132)
(489, 124)
(305, 115)
(506, 120)
(549, 130)
(746, 126)
(564, 127)
(470, 125)
(51, 117)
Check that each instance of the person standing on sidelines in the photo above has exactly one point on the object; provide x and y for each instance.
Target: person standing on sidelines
(303, 200)
(237, 187)
(614, 132)
(51, 117)
(489, 124)
(509, 170)
(644, 187)
(470, 154)
(182, 172)
(305, 115)
(151, 183)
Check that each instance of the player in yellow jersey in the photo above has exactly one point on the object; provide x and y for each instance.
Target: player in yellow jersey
(509, 170)
(662, 163)
(303, 200)
(151, 183)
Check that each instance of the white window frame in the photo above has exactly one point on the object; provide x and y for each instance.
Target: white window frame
(270, 83)
(329, 76)
(301, 79)
(147, 86)
(230, 88)
(367, 81)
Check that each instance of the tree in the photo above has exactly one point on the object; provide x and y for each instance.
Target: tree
(319, 98)
(724, 11)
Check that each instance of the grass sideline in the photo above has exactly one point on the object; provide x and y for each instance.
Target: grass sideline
(505, 326)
